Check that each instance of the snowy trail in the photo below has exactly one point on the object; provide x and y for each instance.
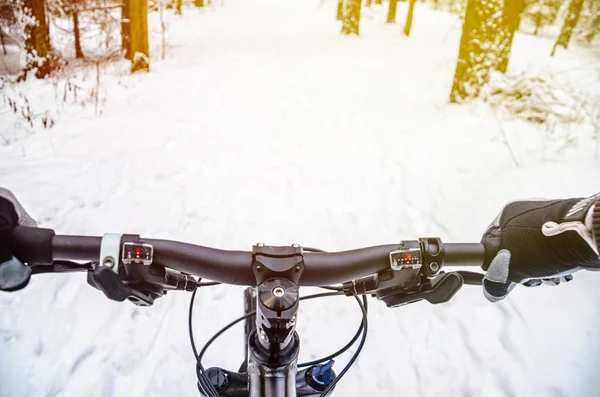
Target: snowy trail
(264, 127)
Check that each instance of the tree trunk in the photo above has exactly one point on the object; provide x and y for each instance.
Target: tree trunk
(126, 30)
(351, 17)
(409, 17)
(378, 2)
(511, 17)
(391, 16)
(340, 10)
(138, 15)
(78, 52)
(178, 4)
(2, 40)
(538, 23)
(199, 3)
(163, 30)
(37, 40)
(479, 48)
(570, 22)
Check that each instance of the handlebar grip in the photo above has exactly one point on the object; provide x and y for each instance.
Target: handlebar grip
(464, 254)
(32, 244)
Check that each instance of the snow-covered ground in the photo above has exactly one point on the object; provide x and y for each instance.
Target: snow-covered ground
(264, 124)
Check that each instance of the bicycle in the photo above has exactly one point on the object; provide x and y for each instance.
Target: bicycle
(141, 270)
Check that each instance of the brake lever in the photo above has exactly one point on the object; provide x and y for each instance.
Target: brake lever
(106, 280)
(62, 267)
(471, 278)
(439, 290)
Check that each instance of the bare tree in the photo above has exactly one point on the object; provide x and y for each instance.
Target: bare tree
(8, 19)
(351, 17)
(126, 30)
(391, 16)
(541, 12)
(76, 33)
(71, 8)
(570, 22)
(138, 16)
(511, 18)
(409, 17)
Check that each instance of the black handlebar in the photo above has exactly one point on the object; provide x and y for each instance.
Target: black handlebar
(36, 245)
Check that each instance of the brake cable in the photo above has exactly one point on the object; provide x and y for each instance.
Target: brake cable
(204, 383)
(363, 308)
(361, 330)
(343, 349)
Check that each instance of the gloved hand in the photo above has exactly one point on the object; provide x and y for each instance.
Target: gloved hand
(535, 242)
(14, 275)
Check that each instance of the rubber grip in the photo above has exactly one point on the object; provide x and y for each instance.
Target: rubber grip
(461, 254)
(32, 245)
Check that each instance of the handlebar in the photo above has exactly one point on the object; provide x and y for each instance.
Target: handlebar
(42, 246)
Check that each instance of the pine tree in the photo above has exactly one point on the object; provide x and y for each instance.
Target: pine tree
(570, 22)
(351, 17)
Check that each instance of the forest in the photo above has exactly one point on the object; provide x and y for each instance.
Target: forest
(331, 124)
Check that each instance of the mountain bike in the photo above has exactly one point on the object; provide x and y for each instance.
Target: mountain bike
(141, 270)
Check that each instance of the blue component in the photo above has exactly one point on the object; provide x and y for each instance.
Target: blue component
(323, 374)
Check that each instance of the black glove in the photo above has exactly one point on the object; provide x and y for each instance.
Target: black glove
(535, 242)
(14, 275)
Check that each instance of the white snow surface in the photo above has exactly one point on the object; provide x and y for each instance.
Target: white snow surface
(265, 124)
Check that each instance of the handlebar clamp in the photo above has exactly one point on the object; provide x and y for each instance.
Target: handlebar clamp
(277, 271)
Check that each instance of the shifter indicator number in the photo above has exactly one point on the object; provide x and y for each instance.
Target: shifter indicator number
(409, 258)
(137, 253)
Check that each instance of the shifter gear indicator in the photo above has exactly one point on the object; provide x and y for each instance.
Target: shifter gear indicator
(137, 253)
(407, 258)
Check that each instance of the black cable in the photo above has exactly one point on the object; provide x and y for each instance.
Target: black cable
(363, 307)
(363, 328)
(321, 295)
(204, 383)
(221, 331)
(208, 283)
(332, 287)
(310, 249)
(200, 372)
(337, 353)
(247, 315)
